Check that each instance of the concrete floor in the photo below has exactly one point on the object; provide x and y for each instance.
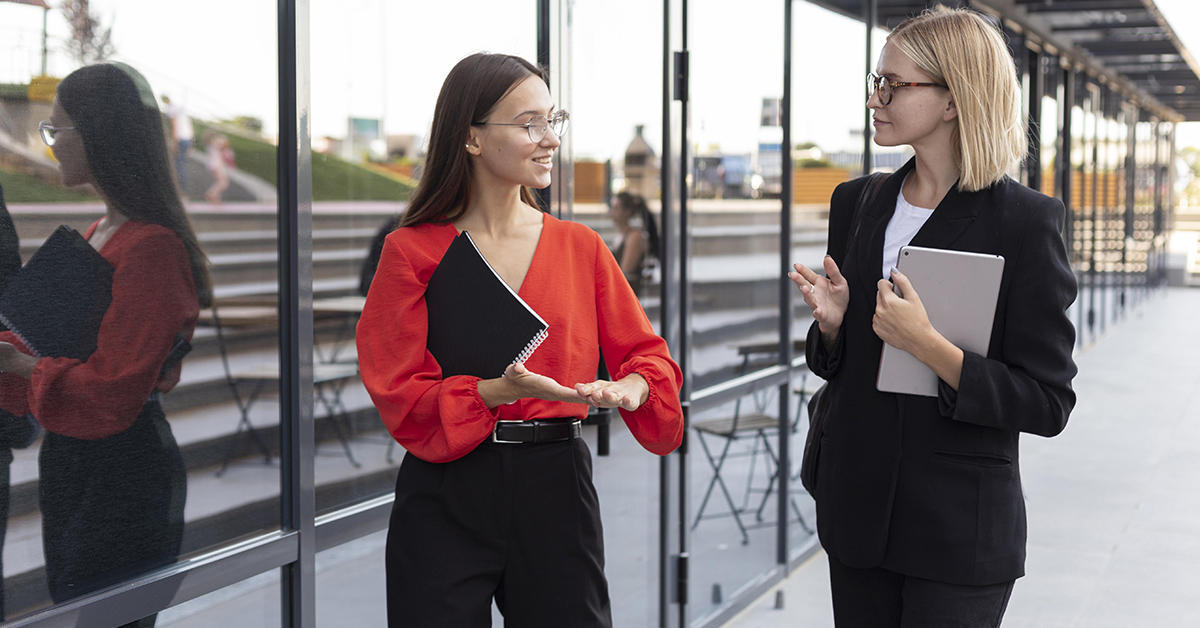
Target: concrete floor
(1114, 502)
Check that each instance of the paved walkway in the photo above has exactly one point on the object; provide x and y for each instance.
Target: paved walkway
(1114, 501)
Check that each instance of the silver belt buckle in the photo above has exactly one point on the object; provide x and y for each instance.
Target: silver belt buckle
(509, 442)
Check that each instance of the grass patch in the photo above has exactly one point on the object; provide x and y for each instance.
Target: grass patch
(334, 179)
(23, 188)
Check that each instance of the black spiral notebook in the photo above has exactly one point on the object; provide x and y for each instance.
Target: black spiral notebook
(55, 303)
(478, 325)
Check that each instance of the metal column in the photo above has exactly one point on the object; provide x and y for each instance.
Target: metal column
(298, 448)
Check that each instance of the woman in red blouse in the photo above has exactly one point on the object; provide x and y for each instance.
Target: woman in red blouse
(478, 517)
(112, 482)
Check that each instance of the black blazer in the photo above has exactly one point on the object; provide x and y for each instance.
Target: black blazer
(931, 487)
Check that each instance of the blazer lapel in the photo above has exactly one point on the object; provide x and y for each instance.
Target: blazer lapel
(951, 217)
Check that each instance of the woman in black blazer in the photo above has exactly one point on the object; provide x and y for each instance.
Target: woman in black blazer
(919, 502)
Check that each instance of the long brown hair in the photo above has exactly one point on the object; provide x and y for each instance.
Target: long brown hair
(471, 91)
(115, 113)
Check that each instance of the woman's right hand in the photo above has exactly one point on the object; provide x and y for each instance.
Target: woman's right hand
(828, 296)
(521, 383)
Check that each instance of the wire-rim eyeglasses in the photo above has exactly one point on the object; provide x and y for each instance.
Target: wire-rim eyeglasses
(539, 125)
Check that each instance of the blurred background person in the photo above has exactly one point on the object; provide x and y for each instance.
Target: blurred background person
(182, 133)
(112, 484)
(637, 247)
(218, 162)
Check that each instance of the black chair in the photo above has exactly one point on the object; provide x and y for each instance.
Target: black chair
(756, 426)
(329, 382)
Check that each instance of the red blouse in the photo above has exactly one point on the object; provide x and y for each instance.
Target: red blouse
(573, 283)
(153, 299)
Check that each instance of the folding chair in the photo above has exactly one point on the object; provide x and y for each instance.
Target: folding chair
(329, 382)
(755, 425)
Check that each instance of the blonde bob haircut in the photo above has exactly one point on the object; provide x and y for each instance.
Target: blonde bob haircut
(960, 49)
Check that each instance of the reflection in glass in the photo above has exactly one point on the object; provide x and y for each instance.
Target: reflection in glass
(638, 248)
(112, 484)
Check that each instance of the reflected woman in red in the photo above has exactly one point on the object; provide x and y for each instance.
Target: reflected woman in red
(112, 484)
(495, 498)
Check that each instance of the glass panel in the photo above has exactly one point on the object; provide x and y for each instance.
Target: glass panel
(167, 165)
(616, 141)
(251, 603)
(370, 125)
(395, 117)
(736, 151)
(828, 137)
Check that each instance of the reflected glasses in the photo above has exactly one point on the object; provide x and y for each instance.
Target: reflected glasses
(885, 88)
(48, 131)
(539, 125)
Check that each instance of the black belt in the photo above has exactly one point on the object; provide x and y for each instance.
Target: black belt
(537, 431)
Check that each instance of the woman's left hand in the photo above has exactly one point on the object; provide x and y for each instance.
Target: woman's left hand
(901, 321)
(15, 362)
(628, 394)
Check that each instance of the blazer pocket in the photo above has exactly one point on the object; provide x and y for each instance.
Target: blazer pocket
(975, 459)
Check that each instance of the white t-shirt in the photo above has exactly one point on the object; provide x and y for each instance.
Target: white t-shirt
(905, 224)
(182, 123)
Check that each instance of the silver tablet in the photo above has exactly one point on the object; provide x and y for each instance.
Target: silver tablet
(959, 291)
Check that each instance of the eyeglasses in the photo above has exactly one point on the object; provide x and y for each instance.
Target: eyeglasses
(48, 131)
(539, 124)
(886, 88)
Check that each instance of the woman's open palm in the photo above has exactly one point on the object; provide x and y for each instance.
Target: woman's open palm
(828, 296)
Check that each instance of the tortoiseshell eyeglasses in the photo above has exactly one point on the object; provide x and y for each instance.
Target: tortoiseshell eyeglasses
(885, 88)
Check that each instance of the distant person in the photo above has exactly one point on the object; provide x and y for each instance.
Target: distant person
(919, 501)
(182, 133)
(16, 432)
(638, 243)
(219, 160)
(374, 251)
(112, 482)
(494, 499)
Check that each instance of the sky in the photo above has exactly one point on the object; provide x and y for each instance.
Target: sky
(387, 58)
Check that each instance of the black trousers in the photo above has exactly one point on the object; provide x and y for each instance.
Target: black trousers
(112, 508)
(518, 523)
(878, 598)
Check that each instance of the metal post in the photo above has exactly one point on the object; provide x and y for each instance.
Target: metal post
(294, 172)
(1131, 153)
(666, 488)
(1160, 176)
(682, 75)
(785, 293)
(870, 8)
(543, 60)
(45, 45)
(1097, 114)
(1037, 89)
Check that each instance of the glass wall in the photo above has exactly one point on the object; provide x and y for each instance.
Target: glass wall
(735, 187)
(288, 174)
(372, 107)
(155, 438)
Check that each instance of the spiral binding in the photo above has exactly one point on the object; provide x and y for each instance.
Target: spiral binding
(9, 325)
(532, 346)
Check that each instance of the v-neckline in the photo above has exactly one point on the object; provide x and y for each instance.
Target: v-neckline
(91, 233)
(537, 248)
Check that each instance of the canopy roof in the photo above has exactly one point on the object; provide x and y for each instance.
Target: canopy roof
(1127, 44)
